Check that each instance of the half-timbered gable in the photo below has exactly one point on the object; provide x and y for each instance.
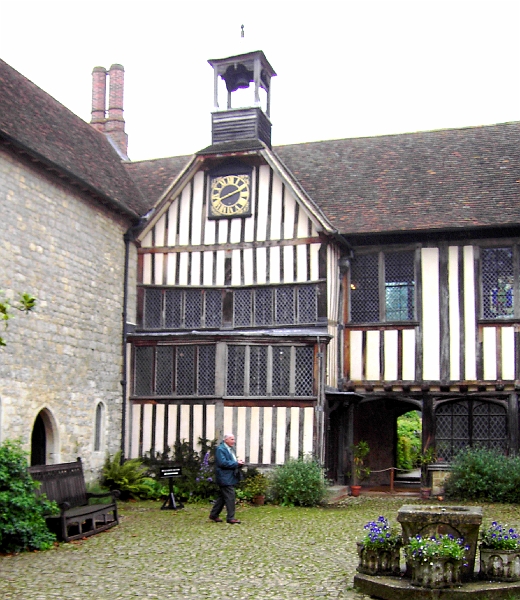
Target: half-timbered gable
(234, 313)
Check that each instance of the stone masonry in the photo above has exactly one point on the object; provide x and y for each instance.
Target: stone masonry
(67, 249)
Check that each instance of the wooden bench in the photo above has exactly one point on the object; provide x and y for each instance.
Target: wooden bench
(65, 484)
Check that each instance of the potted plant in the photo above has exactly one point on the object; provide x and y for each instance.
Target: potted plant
(379, 549)
(255, 488)
(435, 561)
(500, 553)
(359, 471)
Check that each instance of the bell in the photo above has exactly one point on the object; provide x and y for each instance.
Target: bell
(237, 78)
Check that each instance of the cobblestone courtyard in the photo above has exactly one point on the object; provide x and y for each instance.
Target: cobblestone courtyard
(277, 552)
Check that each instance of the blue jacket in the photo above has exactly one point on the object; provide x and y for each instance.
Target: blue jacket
(227, 467)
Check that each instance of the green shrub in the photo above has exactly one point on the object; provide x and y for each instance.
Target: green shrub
(409, 427)
(131, 479)
(299, 482)
(483, 474)
(198, 473)
(22, 521)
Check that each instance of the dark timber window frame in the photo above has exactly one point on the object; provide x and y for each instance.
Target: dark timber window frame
(375, 277)
(460, 424)
(499, 276)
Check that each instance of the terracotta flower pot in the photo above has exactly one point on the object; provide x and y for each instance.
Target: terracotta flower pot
(354, 490)
(259, 500)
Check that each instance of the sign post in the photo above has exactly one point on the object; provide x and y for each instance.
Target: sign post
(171, 473)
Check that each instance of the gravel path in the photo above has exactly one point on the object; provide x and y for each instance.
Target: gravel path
(276, 553)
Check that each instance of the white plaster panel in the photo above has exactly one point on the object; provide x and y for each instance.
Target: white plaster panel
(208, 269)
(184, 225)
(223, 225)
(147, 427)
(276, 209)
(159, 268)
(391, 355)
(431, 316)
(185, 422)
(236, 229)
(294, 432)
(373, 366)
(195, 268)
(240, 434)
(210, 229)
(171, 269)
(470, 357)
(454, 312)
(172, 425)
(489, 353)
(172, 224)
(136, 422)
(261, 265)
(198, 193)
(159, 231)
(301, 264)
(221, 257)
(183, 269)
(248, 266)
(147, 240)
(356, 355)
(315, 272)
(254, 435)
(409, 354)
(263, 199)
(268, 427)
(280, 434)
(235, 267)
(508, 353)
(308, 430)
(288, 264)
(288, 224)
(274, 265)
(210, 422)
(197, 425)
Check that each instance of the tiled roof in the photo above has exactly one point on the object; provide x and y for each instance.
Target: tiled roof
(448, 179)
(36, 123)
(153, 177)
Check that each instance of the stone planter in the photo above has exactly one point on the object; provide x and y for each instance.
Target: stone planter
(439, 573)
(379, 561)
(499, 565)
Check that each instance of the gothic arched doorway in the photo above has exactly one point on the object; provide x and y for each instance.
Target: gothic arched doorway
(43, 439)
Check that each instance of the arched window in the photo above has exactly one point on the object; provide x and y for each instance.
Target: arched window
(470, 423)
(99, 426)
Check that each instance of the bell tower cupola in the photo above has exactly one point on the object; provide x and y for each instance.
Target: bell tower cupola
(247, 79)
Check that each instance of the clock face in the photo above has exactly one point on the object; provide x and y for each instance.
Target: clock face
(230, 196)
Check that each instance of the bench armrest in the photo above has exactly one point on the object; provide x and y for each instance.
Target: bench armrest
(114, 493)
(64, 506)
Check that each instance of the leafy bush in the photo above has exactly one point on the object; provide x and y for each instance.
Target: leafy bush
(299, 482)
(22, 522)
(198, 478)
(254, 485)
(131, 479)
(483, 474)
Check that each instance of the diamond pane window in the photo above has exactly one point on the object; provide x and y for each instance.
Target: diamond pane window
(307, 304)
(263, 306)
(242, 308)
(173, 309)
(213, 308)
(153, 308)
(235, 370)
(285, 307)
(497, 283)
(470, 423)
(144, 356)
(304, 375)
(364, 289)
(206, 370)
(258, 371)
(164, 370)
(399, 286)
(186, 369)
(281, 370)
(193, 318)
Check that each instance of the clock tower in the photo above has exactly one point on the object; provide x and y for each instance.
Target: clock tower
(250, 72)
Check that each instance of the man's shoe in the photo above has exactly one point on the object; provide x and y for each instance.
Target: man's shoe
(234, 522)
(215, 519)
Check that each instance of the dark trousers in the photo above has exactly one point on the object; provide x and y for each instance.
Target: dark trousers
(226, 497)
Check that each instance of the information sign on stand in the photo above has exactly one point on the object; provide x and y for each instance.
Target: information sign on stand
(171, 473)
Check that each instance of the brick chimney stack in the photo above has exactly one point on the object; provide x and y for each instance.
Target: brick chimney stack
(111, 123)
(99, 86)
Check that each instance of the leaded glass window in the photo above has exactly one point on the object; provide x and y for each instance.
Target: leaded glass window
(497, 283)
(382, 287)
(469, 423)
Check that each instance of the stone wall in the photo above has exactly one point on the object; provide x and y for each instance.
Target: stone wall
(66, 249)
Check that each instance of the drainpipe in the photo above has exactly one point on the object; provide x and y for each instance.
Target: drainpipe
(127, 238)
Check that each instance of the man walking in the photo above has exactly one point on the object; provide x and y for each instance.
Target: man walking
(228, 477)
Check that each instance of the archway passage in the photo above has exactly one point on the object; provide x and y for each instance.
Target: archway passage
(39, 442)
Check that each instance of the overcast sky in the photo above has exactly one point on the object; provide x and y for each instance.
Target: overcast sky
(344, 69)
